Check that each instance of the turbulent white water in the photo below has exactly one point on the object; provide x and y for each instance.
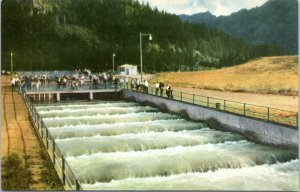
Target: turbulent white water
(281, 176)
(121, 145)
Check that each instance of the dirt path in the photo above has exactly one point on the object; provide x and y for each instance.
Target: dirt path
(18, 136)
(289, 103)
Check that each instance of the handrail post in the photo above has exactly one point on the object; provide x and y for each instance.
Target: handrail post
(42, 132)
(207, 101)
(268, 113)
(47, 143)
(180, 96)
(224, 105)
(245, 109)
(53, 151)
(297, 119)
(63, 170)
(77, 185)
(38, 123)
(193, 98)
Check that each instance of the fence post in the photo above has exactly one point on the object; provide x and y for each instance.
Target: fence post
(268, 113)
(42, 131)
(297, 119)
(77, 185)
(207, 101)
(193, 98)
(63, 170)
(244, 108)
(224, 105)
(38, 123)
(53, 151)
(47, 142)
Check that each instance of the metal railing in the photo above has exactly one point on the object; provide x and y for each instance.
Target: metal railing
(85, 86)
(268, 114)
(255, 111)
(62, 166)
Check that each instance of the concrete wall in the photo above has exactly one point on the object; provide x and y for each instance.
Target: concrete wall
(256, 130)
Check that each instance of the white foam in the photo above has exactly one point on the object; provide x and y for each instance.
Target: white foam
(264, 177)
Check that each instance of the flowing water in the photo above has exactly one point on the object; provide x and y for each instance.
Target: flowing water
(125, 146)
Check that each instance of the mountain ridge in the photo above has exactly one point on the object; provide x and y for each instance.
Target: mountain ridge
(275, 22)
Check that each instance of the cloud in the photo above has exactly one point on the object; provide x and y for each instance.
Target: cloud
(216, 7)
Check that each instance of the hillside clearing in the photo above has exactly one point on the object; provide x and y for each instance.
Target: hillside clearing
(267, 75)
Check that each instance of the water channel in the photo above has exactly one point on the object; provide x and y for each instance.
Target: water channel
(126, 146)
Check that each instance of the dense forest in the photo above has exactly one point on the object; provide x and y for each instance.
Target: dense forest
(275, 22)
(69, 34)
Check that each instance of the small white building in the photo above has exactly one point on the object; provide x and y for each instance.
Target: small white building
(127, 69)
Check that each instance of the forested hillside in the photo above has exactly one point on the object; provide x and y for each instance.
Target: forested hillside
(275, 22)
(69, 34)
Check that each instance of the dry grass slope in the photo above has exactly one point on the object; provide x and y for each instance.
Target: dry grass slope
(267, 75)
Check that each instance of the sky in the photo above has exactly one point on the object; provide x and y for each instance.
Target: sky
(216, 7)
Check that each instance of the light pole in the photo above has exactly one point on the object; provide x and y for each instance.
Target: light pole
(113, 60)
(141, 50)
(11, 63)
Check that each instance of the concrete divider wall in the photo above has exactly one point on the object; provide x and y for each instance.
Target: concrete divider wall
(256, 130)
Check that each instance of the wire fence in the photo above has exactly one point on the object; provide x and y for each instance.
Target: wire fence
(249, 110)
(62, 167)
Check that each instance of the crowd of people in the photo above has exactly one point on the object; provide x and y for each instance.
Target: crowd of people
(78, 78)
(143, 86)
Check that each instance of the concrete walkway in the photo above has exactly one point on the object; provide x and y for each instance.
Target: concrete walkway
(18, 137)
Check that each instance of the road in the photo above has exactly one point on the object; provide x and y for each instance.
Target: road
(18, 136)
(289, 103)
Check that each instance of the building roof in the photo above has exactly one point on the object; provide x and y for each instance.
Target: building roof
(127, 65)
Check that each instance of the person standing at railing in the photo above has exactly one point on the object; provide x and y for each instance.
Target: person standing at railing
(13, 84)
(81, 80)
(161, 88)
(132, 83)
(116, 80)
(73, 84)
(121, 80)
(64, 81)
(38, 85)
(170, 91)
(142, 89)
(146, 84)
(137, 86)
(167, 91)
(156, 88)
(126, 82)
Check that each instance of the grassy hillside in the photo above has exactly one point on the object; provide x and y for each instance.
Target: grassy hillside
(272, 75)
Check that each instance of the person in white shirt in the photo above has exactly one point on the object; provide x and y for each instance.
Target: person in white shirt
(156, 88)
(146, 84)
(38, 85)
(13, 84)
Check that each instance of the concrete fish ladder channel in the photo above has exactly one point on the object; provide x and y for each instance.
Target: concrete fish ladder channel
(124, 145)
